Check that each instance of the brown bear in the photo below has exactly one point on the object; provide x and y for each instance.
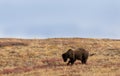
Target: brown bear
(77, 54)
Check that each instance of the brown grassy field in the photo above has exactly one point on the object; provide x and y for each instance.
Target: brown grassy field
(42, 57)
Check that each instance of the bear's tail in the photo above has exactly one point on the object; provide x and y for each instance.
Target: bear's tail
(92, 54)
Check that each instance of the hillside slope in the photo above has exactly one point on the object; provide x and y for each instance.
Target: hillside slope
(42, 57)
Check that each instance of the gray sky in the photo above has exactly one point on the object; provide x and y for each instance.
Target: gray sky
(60, 18)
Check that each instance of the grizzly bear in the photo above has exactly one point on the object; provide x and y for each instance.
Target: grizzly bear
(77, 54)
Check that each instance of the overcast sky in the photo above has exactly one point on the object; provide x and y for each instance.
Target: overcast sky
(60, 18)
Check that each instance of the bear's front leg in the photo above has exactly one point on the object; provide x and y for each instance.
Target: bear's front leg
(72, 61)
(69, 62)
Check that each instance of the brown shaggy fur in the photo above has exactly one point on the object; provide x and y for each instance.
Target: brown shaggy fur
(73, 55)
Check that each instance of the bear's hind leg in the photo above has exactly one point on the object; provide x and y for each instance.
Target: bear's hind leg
(84, 60)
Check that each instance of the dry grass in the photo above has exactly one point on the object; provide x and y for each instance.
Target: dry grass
(42, 57)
